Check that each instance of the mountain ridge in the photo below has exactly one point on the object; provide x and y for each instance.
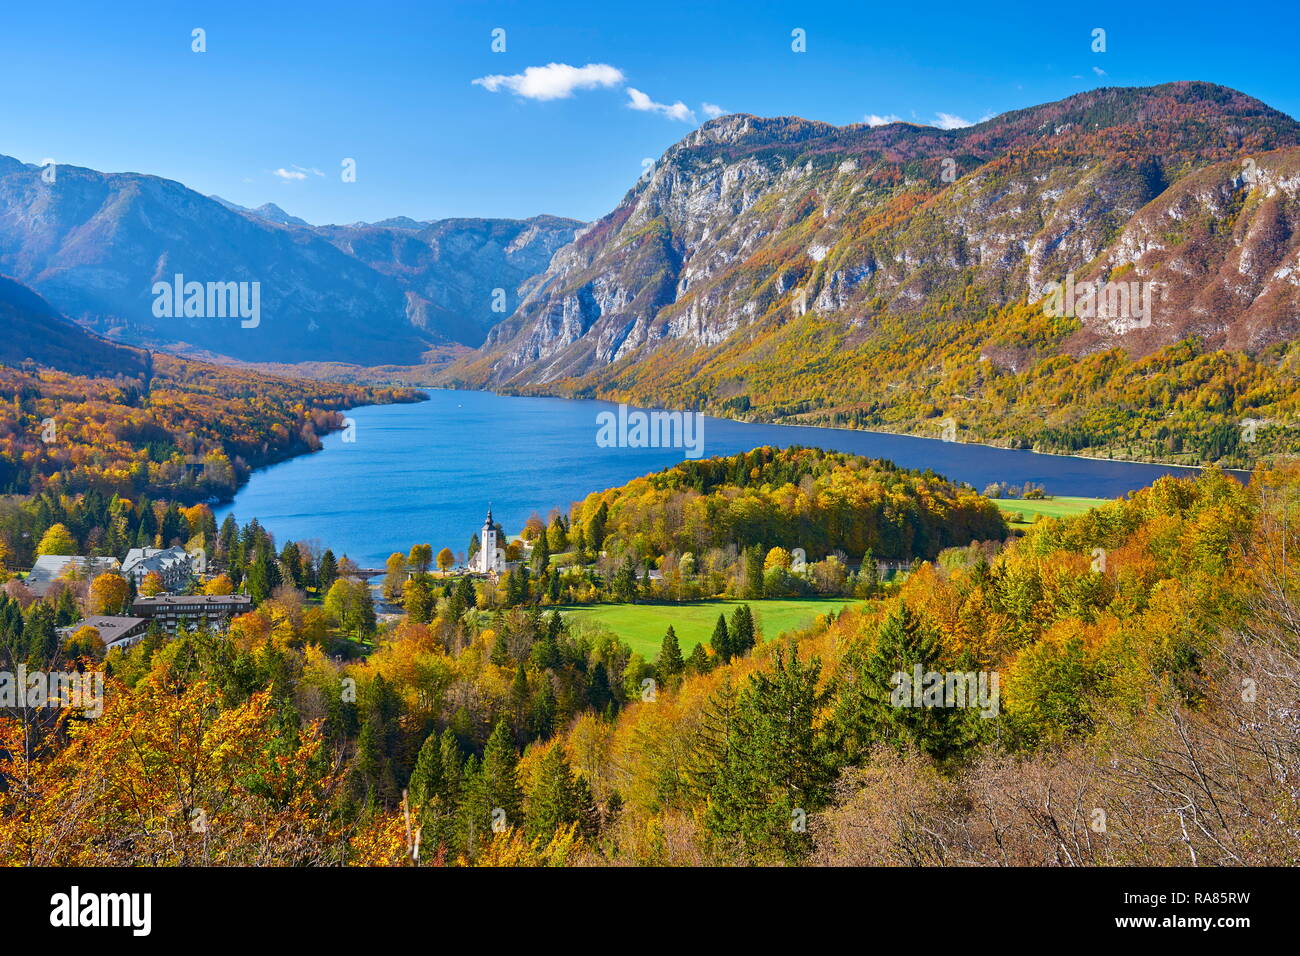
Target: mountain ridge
(95, 244)
(776, 268)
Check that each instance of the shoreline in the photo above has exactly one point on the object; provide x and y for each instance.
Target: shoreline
(871, 431)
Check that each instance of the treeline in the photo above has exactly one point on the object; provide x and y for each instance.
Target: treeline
(187, 431)
(797, 497)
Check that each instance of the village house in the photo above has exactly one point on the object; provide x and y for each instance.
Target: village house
(114, 631)
(174, 565)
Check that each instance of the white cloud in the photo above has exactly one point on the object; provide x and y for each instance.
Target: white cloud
(1099, 71)
(871, 119)
(950, 121)
(290, 175)
(712, 110)
(678, 111)
(555, 81)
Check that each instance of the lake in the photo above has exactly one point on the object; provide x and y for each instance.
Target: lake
(427, 472)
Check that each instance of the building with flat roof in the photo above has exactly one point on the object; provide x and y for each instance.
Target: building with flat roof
(191, 611)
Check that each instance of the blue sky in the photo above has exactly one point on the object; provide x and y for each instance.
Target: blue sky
(287, 90)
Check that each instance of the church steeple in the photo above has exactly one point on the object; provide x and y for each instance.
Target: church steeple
(487, 559)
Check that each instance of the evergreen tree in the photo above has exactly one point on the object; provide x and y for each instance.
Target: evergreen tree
(41, 637)
(875, 706)
(779, 767)
(753, 572)
(542, 710)
(426, 778)
(742, 631)
(465, 593)
(500, 655)
(557, 799)
(499, 775)
(291, 558)
(599, 694)
(699, 660)
(596, 528)
(713, 743)
(625, 588)
(670, 664)
(541, 554)
(65, 609)
(227, 538)
(721, 640)
(329, 571)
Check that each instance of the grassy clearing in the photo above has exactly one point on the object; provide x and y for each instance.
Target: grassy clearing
(642, 626)
(1027, 509)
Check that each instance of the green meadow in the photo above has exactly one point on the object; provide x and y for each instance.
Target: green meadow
(642, 626)
(1028, 508)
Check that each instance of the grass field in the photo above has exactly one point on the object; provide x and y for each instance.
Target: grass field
(642, 626)
(1051, 507)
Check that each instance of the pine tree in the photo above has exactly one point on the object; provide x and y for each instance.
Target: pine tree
(721, 640)
(742, 631)
(554, 800)
(714, 740)
(670, 664)
(596, 528)
(866, 712)
(779, 767)
(500, 781)
(625, 588)
(542, 710)
(291, 558)
(40, 634)
(541, 554)
(427, 781)
(753, 582)
(329, 571)
(699, 660)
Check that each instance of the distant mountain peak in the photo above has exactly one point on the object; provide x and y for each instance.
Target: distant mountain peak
(268, 212)
(273, 213)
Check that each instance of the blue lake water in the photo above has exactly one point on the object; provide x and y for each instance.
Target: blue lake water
(427, 472)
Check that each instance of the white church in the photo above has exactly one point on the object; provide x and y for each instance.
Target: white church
(490, 558)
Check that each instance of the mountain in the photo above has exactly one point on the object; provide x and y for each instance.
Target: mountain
(450, 268)
(753, 243)
(269, 212)
(94, 244)
(32, 331)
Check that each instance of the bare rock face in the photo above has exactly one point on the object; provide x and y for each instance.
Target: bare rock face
(749, 223)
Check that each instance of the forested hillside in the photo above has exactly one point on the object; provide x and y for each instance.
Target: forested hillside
(1137, 673)
(161, 426)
